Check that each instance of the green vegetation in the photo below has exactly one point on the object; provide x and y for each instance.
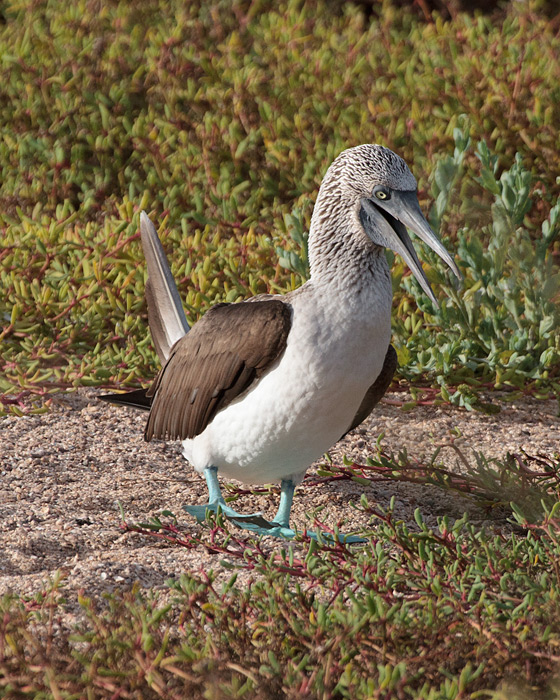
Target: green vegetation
(220, 118)
(501, 326)
(429, 614)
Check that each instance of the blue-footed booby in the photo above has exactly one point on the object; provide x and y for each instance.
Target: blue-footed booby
(260, 389)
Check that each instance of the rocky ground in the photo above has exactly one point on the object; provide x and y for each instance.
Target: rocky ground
(64, 473)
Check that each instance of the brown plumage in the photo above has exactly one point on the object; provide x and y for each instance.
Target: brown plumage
(377, 390)
(219, 358)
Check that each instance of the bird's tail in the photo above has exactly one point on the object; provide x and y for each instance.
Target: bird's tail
(166, 317)
(135, 399)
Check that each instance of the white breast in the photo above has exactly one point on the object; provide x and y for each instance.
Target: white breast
(304, 404)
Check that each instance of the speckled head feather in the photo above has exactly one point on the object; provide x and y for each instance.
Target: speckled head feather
(335, 228)
(362, 167)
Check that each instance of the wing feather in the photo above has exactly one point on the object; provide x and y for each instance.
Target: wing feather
(219, 359)
(377, 389)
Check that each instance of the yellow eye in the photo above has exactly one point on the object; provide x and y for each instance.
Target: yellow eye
(382, 193)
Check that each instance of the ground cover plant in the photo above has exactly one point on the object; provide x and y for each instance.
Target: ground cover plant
(220, 119)
(222, 123)
(418, 613)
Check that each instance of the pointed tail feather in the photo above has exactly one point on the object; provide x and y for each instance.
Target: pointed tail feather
(134, 399)
(166, 317)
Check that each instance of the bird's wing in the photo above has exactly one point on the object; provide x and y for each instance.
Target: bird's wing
(377, 389)
(221, 356)
(166, 317)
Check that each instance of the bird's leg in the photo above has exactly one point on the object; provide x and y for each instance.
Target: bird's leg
(215, 500)
(282, 516)
(214, 490)
(279, 527)
(254, 522)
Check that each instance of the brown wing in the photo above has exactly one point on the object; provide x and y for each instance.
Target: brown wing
(220, 357)
(377, 389)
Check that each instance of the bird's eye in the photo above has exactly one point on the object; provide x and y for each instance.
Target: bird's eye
(382, 194)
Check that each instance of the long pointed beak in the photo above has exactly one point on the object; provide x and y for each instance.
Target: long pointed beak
(391, 233)
(386, 222)
(404, 207)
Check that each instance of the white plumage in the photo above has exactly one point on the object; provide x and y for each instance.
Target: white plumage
(304, 404)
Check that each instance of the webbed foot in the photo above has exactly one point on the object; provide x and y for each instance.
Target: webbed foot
(199, 512)
(255, 522)
(261, 526)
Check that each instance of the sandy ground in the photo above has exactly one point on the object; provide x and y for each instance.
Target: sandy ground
(62, 475)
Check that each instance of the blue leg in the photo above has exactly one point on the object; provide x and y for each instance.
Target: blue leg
(282, 516)
(214, 491)
(215, 500)
(279, 527)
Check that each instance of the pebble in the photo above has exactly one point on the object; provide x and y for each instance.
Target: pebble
(67, 471)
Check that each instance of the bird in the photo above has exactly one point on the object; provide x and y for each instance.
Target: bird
(259, 389)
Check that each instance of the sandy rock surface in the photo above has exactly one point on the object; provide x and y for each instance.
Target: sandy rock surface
(63, 474)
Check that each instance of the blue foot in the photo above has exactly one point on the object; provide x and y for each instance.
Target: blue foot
(255, 522)
(261, 526)
(199, 512)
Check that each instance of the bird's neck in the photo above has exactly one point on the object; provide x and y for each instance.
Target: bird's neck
(340, 252)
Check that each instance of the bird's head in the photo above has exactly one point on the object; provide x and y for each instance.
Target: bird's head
(383, 196)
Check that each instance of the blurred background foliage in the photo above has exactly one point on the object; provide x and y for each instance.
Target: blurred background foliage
(221, 118)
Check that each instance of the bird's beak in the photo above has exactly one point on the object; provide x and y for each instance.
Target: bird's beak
(388, 221)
